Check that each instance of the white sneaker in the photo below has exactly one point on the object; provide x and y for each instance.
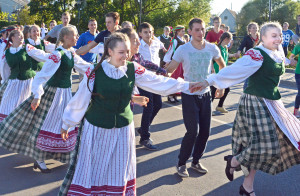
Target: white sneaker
(182, 171)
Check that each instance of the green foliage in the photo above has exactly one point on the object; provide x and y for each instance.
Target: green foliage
(25, 18)
(6, 23)
(4, 16)
(158, 13)
(258, 11)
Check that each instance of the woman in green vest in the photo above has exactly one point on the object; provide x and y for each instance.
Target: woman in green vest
(225, 39)
(16, 72)
(265, 136)
(36, 41)
(104, 161)
(33, 128)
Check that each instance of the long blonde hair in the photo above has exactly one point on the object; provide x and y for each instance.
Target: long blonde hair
(64, 31)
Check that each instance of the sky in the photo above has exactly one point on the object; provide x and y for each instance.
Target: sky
(218, 6)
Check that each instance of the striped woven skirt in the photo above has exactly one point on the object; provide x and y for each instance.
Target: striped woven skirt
(20, 130)
(103, 163)
(12, 94)
(49, 138)
(258, 142)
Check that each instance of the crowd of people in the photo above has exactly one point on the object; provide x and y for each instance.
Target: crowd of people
(93, 130)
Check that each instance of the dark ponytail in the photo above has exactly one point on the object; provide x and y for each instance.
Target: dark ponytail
(223, 37)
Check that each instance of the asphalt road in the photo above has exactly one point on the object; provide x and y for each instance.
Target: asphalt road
(156, 173)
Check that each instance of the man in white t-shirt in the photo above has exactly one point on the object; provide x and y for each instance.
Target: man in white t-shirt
(196, 58)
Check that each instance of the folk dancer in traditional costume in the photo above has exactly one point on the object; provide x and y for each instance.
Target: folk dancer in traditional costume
(33, 128)
(265, 135)
(104, 161)
(16, 72)
(177, 41)
(36, 41)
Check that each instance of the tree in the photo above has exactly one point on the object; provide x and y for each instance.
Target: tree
(25, 18)
(158, 13)
(258, 11)
(4, 16)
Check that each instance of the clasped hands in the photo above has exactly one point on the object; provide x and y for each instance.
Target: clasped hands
(199, 86)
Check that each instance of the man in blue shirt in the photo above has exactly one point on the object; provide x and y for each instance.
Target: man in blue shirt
(87, 38)
(286, 37)
(112, 24)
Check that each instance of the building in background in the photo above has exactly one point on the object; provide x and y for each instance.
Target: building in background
(10, 6)
(229, 19)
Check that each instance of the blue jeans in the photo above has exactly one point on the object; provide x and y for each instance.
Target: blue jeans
(196, 112)
(297, 101)
(149, 112)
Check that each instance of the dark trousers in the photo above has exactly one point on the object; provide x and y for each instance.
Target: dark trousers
(222, 99)
(149, 112)
(196, 112)
(285, 49)
(297, 101)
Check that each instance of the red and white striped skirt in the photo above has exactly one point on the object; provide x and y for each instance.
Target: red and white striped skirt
(106, 162)
(49, 138)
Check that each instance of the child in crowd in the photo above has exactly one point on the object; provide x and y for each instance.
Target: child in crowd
(226, 37)
(149, 49)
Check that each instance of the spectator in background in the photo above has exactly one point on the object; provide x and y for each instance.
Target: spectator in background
(213, 36)
(223, 27)
(86, 38)
(186, 37)
(250, 41)
(126, 24)
(227, 29)
(166, 40)
(51, 26)
(26, 31)
(44, 30)
(65, 18)
(296, 37)
(112, 20)
(286, 37)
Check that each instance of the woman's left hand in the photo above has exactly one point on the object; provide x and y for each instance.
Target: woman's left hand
(64, 134)
(35, 104)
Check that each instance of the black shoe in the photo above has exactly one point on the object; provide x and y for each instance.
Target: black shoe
(171, 99)
(36, 165)
(148, 144)
(139, 131)
(175, 97)
(244, 192)
(228, 167)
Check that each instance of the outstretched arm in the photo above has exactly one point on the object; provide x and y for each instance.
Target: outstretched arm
(85, 49)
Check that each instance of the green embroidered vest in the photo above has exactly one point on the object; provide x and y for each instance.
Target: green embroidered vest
(62, 77)
(264, 82)
(37, 66)
(19, 64)
(113, 108)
